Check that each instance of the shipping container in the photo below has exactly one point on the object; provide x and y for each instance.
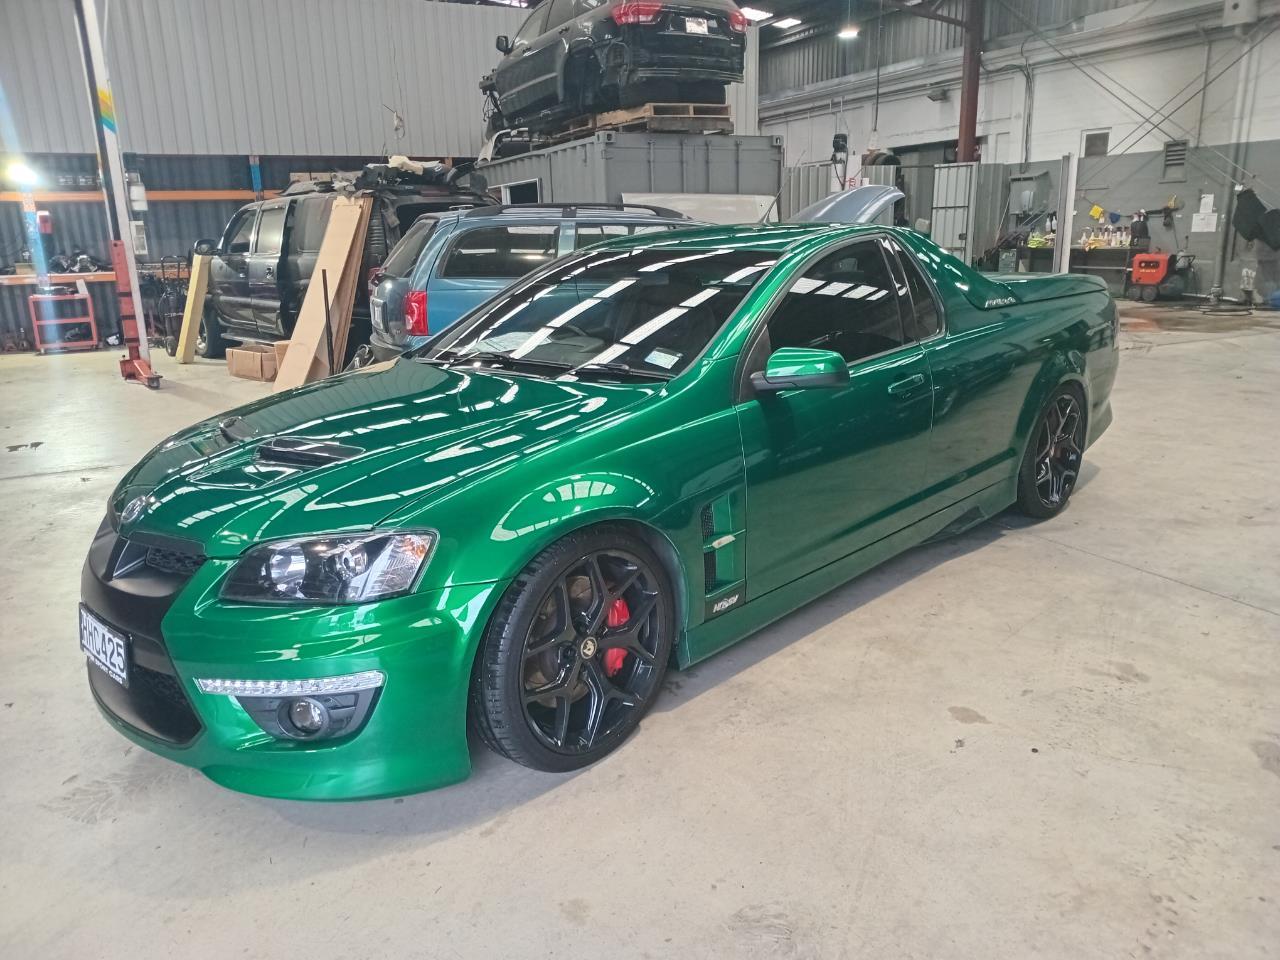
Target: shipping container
(608, 164)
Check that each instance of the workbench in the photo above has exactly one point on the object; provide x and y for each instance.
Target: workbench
(15, 315)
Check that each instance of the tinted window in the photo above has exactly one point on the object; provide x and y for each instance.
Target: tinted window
(920, 312)
(653, 310)
(271, 228)
(405, 253)
(500, 252)
(845, 302)
(599, 232)
(240, 232)
(310, 217)
(561, 10)
(533, 26)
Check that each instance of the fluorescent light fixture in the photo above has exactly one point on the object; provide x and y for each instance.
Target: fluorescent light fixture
(19, 173)
(848, 33)
(368, 680)
(752, 14)
(786, 22)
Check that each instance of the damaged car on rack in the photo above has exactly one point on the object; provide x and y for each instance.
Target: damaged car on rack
(575, 57)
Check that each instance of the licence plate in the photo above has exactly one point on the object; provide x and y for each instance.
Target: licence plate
(695, 25)
(106, 649)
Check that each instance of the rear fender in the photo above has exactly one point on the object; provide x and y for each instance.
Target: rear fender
(1064, 366)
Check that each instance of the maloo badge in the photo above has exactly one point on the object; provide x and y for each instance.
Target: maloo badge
(133, 509)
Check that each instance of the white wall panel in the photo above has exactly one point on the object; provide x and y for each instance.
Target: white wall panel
(255, 76)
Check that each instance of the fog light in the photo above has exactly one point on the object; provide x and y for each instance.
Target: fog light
(308, 717)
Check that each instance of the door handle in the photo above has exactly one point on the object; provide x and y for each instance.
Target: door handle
(903, 387)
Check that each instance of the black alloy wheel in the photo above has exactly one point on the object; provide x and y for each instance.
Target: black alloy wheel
(576, 652)
(1052, 464)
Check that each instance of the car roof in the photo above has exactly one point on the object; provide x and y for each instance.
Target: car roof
(612, 213)
(766, 237)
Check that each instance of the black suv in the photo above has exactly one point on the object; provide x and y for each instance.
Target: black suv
(572, 57)
(262, 265)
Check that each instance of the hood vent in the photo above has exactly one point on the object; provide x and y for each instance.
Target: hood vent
(299, 451)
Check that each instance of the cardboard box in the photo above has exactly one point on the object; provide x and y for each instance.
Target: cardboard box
(253, 361)
(282, 347)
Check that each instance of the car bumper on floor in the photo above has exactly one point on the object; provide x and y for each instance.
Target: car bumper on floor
(410, 737)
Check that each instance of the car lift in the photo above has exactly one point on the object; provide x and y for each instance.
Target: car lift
(136, 366)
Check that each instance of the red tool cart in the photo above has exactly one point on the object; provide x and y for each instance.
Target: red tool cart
(59, 321)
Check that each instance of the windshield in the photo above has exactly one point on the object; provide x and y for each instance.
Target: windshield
(407, 251)
(644, 311)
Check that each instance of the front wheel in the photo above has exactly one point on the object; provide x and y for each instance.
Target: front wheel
(1051, 464)
(576, 652)
(209, 342)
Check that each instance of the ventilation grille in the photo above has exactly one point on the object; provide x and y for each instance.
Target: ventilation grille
(708, 523)
(709, 570)
(1175, 159)
(174, 561)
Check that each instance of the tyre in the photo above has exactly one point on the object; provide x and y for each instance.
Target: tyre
(209, 342)
(171, 346)
(1149, 293)
(1051, 464)
(575, 653)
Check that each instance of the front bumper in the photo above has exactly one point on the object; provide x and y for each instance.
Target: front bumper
(414, 738)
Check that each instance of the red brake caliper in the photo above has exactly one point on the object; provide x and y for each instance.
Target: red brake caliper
(615, 657)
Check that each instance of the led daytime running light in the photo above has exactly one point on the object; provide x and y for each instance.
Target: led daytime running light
(352, 682)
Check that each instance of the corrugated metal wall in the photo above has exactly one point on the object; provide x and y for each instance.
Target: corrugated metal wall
(300, 77)
(791, 64)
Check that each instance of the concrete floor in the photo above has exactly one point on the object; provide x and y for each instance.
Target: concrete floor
(1059, 740)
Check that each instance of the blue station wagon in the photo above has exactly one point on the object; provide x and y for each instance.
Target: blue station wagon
(448, 263)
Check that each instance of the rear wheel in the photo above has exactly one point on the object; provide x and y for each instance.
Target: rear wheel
(1051, 464)
(576, 651)
(209, 342)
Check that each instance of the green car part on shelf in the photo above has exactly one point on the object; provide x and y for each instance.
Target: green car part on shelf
(638, 454)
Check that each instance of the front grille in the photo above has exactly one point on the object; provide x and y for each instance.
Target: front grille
(161, 686)
(174, 561)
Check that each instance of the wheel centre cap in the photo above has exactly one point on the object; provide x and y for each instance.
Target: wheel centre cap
(588, 648)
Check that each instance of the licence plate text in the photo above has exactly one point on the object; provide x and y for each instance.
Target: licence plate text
(106, 649)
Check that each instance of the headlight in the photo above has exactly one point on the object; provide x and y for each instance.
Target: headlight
(338, 569)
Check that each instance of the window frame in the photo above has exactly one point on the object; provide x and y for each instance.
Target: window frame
(570, 11)
(519, 37)
(747, 359)
(250, 213)
(901, 250)
(284, 228)
(450, 244)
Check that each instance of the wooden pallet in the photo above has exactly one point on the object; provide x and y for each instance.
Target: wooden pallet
(655, 117)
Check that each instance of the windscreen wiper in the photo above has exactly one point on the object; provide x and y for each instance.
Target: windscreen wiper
(492, 356)
(623, 368)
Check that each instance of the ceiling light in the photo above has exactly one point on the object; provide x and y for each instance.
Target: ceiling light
(752, 14)
(786, 23)
(19, 173)
(848, 33)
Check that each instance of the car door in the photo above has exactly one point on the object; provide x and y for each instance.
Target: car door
(304, 229)
(265, 267)
(831, 470)
(516, 75)
(229, 273)
(478, 262)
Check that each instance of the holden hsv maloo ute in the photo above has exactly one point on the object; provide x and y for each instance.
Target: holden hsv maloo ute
(629, 459)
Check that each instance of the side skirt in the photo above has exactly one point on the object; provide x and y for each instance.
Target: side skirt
(714, 635)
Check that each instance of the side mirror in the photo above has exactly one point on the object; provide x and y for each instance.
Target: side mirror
(206, 248)
(503, 43)
(799, 368)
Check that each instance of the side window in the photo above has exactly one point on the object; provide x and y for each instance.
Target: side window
(561, 10)
(500, 252)
(533, 26)
(240, 232)
(589, 233)
(845, 302)
(271, 228)
(310, 217)
(919, 310)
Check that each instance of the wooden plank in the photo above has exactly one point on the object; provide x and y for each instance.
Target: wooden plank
(341, 251)
(193, 310)
(646, 111)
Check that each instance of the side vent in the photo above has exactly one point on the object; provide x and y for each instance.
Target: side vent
(723, 558)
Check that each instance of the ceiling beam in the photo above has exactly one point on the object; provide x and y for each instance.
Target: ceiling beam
(928, 10)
